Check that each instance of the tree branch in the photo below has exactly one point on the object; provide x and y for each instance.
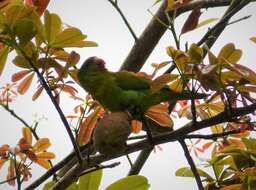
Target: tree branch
(73, 174)
(115, 5)
(155, 30)
(140, 161)
(212, 35)
(192, 164)
(56, 105)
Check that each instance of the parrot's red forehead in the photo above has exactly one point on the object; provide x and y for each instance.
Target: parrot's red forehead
(99, 61)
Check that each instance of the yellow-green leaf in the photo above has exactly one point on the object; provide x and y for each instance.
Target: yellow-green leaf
(134, 182)
(50, 184)
(161, 81)
(20, 61)
(25, 30)
(71, 37)
(170, 5)
(3, 57)
(177, 85)
(159, 66)
(186, 172)
(212, 58)
(205, 22)
(90, 181)
(17, 12)
(195, 53)
(247, 89)
(52, 24)
(230, 54)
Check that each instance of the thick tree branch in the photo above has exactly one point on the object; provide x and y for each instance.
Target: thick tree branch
(73, 174)
(140, 161)
(155, 30)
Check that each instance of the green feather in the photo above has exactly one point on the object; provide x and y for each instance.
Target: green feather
(121, 91)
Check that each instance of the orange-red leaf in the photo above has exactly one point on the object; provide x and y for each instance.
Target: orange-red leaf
(136, 126)
(159, 114)
(69, 89)
(191, 21)
(11, 174)
(87, 126)
(37, 93)
(25, 84)
(27, 135)
(161, 81)
(45, 155)
(19, 75)
(41, 145)
(39, 4)
(44, 163)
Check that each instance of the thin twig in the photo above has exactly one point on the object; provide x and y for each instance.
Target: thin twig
(115, 5)
(213, 136)
(12, 112)
(6, 181)
(56, 105)
(211, 36)
(192, 164)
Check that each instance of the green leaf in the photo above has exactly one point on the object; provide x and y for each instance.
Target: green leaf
(20, 61)
(195, 53)
(50, 184)
(72, 37)
(187, 172)
(16, 13)
(249, 143)
(90, 181)
(230, 54)
(25, 30)
(73, 186)
(3, 57)
(228, 161)
(52, 24)
(135, 182)
(212, 58)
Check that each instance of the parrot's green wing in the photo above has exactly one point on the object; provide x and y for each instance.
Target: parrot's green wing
(129, 81)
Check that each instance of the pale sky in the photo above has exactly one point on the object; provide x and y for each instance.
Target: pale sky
(100, 21)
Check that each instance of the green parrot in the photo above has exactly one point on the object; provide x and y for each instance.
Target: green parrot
(124, 91)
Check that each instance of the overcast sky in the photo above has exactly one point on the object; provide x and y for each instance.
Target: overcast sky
(100, 21)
